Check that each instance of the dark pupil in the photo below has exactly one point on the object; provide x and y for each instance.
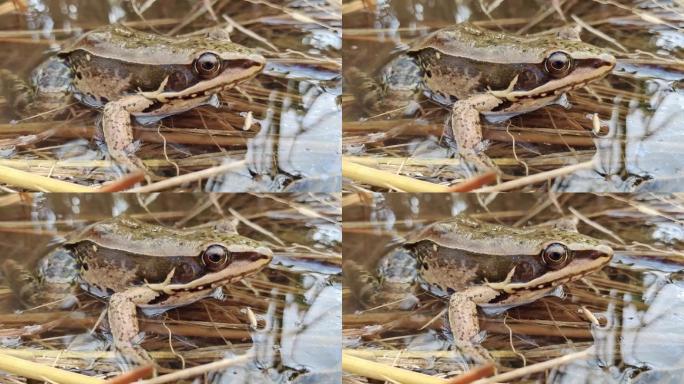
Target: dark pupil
(207, 64)
(555, 256)
(214, 257)
(558, 64)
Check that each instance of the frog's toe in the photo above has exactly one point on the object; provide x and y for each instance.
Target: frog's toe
(482, 146)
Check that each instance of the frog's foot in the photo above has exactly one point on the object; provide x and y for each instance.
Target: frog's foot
(474, 352)
(366, 89)
(466, 129)
(118, 131)
(18, 92)
(24, 285)
(372, 292)
(32, 291)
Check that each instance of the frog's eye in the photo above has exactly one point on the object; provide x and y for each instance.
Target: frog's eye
(208, 65)
(556, 255)
(558, 64)
(216, 257)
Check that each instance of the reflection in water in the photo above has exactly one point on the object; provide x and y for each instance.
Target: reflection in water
(301, 146)
(648, 342)
(641, 153)
(300, 346)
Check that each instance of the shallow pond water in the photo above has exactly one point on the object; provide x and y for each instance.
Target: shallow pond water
(639, 105)
(281, 130)
(294, 302)
(636, 299)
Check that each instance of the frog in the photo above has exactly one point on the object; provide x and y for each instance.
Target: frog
(129, 73)
(133, 264)
(474, 71)
(475, 264)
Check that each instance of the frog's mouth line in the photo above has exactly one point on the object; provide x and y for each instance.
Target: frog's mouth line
(229, 275)
(229, 78)
(579, 78)
(580, 267)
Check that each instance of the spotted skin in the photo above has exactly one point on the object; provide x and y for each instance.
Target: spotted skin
(122, 312)
(467, 130)
(134, 264)
(479, 264)
(475, 72)
(129, 73)
(118, 131)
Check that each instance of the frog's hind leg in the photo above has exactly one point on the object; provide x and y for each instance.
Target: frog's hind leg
(364, 285)
(19, 94)
(391, 292)
(47, 95)
(22, 282)
(463, 319)
(117, 130)
(123, 322)
(396, 91)
(32, 291)
(366, 89)
(466, 129)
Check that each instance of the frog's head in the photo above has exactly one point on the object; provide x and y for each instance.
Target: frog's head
(550, 257)
(210, 65)
(227, 258)
(558, 65)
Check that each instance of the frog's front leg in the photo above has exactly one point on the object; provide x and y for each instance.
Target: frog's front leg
(466, 127)
(463, 318)
(123, 321)
(118, 130)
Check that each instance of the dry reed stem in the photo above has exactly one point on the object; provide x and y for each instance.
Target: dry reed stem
(539, 367)
(474, 374)
(385, 372)
(132, 376)
(16, 178)
(384, 179)
(474, 182)
(537, 178)
(29, 369)
(198, 370)
(188, 177)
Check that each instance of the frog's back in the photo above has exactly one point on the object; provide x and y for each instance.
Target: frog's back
(115, 61)
(468, 41)
(463, 60)
(107, 65)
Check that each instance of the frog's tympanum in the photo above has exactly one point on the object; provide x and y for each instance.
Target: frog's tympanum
(475, 71)
(128, 73)
(139, 265)
(491, 266)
